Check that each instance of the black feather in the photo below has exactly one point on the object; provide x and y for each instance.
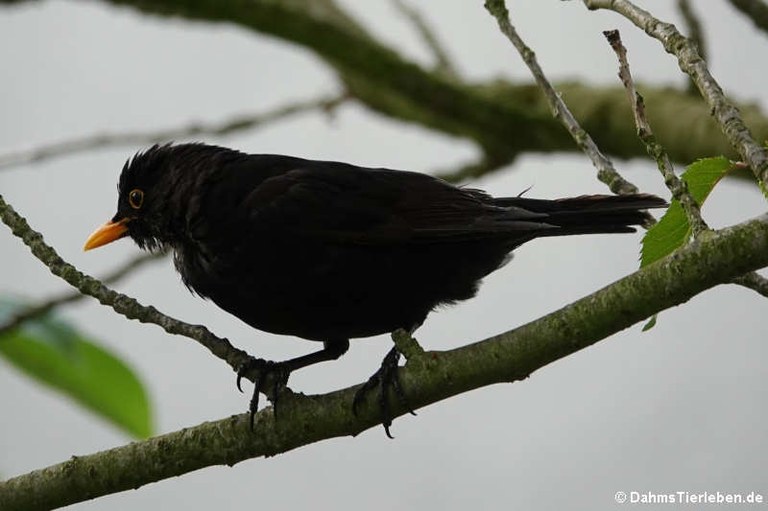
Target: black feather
(327, 250)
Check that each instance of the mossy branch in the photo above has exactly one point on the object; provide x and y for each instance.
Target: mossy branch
(713, 259)
(47, 305)
(120, 303)
(504, 119)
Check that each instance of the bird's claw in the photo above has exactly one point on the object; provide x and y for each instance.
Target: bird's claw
(385, 378)
(264, 370)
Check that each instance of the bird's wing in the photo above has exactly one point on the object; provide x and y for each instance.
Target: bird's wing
(373, 206)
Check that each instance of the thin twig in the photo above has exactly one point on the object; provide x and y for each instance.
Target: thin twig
(722, 109)
(122, 304)
(753, 281)
(756, 10)
(678, 187)
(45, 306)
(239, 123)
(605, 169)
(443, 63)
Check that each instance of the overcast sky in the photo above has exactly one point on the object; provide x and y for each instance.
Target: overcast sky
(679, 408)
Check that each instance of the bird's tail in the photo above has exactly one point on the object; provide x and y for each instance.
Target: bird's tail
(589, 214)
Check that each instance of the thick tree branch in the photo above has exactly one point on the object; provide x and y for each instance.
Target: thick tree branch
(713, 259)
(504, 119)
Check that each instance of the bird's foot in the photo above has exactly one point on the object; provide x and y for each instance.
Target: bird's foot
(385, 378)
(263, 372)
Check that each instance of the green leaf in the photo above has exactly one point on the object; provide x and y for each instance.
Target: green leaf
(55, 353)
(651, 323)
(673, 230)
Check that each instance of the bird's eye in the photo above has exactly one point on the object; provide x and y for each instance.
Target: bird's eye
(136, 198)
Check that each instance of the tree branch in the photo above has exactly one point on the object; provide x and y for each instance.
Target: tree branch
(239, 123)
(677, 186)
(503, 119)
(756, 10)
(714, 258)
(443, 63)
(724, 112)
(471, 170)
(605, 169)
(122, 304)
(44, 307)
(753, 281)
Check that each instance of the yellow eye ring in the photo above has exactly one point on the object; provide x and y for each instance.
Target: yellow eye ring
(136, 198)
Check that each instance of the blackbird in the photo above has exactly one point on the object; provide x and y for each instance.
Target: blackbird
(329, 251)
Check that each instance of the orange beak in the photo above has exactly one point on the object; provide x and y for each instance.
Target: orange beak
(107, 233)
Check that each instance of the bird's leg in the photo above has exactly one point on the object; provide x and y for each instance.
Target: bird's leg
(280, 371)
(385, 378)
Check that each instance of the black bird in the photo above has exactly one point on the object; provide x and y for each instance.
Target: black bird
(329, 251)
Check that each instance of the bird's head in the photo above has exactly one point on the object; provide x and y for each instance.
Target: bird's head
(146, 201)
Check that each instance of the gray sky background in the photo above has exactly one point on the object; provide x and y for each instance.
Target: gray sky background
(679, 408)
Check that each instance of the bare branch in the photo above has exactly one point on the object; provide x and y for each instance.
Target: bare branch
(504, 119)
(239, 123)
(35, 311)
(678, 187)
(725, 113)
(605, 169)
(443, 63)
(122, 304)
